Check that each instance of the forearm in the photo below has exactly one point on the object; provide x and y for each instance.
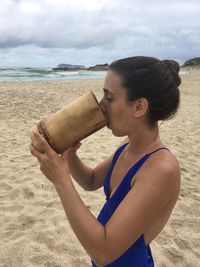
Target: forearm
(88, 230)
(81, 173)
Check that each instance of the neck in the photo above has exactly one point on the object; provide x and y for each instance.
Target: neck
(144, 139)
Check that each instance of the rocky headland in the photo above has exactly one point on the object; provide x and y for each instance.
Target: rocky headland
(192, 63)
(70, 67)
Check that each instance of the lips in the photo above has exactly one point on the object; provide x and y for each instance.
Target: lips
(107, 120)
(108, 124)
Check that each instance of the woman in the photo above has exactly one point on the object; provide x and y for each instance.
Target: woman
(141, 179)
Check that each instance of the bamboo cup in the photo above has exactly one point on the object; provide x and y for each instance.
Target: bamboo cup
(70, 124)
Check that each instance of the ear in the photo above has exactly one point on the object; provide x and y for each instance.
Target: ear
(140, 107)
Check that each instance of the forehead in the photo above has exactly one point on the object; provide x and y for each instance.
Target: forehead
(112, 83)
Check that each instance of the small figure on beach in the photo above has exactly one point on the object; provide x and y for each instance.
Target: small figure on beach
(141, 177)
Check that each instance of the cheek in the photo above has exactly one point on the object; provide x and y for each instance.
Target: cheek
(116, 111)
(117, 118)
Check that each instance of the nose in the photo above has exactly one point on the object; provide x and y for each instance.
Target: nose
(102, 105)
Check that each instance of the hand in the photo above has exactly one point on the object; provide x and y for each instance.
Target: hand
(71, 151)
(52, 165)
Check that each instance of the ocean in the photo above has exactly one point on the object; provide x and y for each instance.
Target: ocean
(15, 74)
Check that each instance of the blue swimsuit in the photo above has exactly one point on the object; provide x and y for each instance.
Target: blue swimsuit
(139, 254)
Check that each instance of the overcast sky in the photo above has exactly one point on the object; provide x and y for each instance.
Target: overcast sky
(49, 32)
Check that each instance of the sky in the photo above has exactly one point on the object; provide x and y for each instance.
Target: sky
(45, 33)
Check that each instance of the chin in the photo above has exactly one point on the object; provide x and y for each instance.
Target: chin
(117, 133)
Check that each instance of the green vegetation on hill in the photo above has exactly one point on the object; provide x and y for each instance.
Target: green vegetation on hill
(193, 62)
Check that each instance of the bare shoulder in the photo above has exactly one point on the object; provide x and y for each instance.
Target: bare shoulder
(161, 170)
(166, 163)
(164, 158)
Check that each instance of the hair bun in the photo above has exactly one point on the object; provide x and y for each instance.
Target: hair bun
(174, 68)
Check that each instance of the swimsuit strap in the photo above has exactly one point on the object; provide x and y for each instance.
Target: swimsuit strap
(157, 150)
(139, 162)
(132, 171)
(107, 179)
(117, 154)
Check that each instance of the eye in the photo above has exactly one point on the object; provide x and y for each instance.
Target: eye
(109, 99)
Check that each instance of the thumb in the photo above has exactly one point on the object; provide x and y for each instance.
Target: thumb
(77, 145)
(71, 150)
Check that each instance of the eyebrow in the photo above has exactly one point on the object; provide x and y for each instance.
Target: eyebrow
(107, 91)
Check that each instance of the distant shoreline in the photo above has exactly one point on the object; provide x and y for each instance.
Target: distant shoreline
(47, 74)
(44, 74)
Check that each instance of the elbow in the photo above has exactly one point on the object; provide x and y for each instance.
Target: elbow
(103, 259)
(105, 253)
(90, 185)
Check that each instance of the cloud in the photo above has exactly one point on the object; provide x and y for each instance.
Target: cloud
(48, 24)
(109, 28)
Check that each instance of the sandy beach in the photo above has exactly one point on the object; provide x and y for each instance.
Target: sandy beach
(34, 230)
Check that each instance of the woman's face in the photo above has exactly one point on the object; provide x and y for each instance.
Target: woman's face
(117, 109)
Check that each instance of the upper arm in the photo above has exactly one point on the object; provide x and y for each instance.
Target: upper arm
(151, 192)
(99, 173)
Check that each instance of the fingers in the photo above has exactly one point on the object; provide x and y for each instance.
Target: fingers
(77, 145)
(40, 156)
(47, 154)
(45, 146)
(71, 150)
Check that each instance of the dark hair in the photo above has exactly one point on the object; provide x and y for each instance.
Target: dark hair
(151, 78)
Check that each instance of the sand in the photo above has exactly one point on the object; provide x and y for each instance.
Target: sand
(34, 230)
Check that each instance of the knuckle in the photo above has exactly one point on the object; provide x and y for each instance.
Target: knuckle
(45, 160)
(51, 153)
